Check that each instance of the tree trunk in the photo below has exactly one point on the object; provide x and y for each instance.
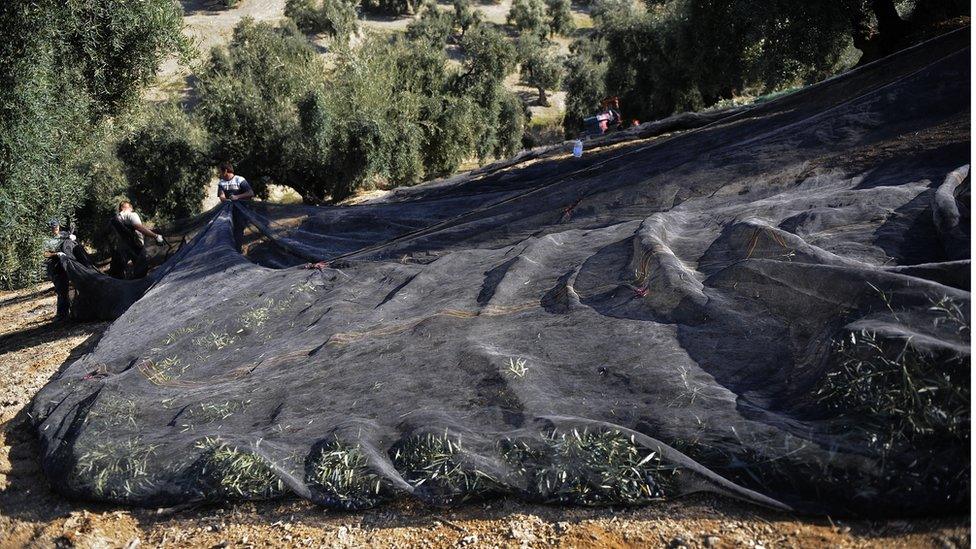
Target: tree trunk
(543, 100)
(891, 27)
(884, 38)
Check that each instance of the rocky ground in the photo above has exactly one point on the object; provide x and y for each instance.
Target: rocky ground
(33, 349)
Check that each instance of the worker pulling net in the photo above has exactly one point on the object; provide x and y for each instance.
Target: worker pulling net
(774, 306)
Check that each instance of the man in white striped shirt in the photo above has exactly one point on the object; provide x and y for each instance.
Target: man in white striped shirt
(233, 188)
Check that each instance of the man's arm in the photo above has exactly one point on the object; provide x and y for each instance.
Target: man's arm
(220, 195)
(138, 226)
(242, 196)
(142, 229)
(248, 192)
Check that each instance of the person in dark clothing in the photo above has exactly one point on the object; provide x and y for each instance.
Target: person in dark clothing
(58, 245)
(234, 188)
(130, 243)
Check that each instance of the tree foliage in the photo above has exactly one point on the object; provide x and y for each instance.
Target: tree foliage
(394, 113)
(585, 81)
(389, 112)
(529, 16)
(674, 55)
(489, 58)
(248, 94)
(107, 186)
(560, 17)
(542, 68)
(389, 7)
(434, 26)
(65, 68)
(465, 16)
(166, 163)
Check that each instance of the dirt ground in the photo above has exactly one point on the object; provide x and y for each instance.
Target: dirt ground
(33, 349)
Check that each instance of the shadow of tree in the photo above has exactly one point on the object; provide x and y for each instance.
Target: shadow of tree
(27, 494)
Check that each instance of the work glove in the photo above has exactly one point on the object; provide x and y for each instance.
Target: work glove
(159, 239)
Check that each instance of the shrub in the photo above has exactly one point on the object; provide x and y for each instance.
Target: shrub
(336, 18)
(166, 163)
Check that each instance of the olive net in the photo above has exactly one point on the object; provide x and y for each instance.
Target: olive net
(774, 306)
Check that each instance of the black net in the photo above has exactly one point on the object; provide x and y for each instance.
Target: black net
(773, 306)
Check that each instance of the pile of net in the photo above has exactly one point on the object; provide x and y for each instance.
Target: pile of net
(773, 306)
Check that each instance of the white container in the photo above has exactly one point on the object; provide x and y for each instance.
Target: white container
(578, 148)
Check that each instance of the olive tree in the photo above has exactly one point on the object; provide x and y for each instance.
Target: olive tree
(335, 18)
(529, 16)
(66, 69)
